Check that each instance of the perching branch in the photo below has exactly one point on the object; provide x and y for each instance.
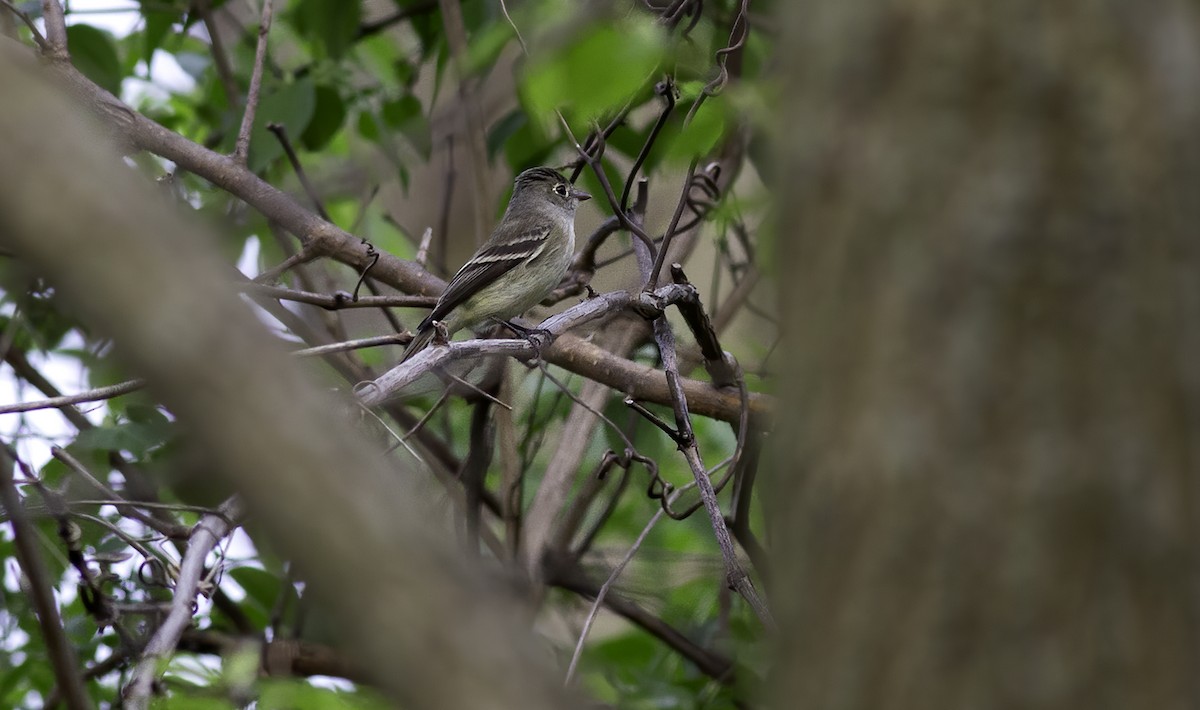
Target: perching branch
(393, 381)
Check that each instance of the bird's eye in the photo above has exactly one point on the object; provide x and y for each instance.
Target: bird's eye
(560, 189)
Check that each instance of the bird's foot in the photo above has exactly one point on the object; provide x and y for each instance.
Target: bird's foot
(538, 337)
(440, 335)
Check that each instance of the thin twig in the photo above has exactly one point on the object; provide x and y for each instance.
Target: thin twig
(577, 400)
(612, 577)
(423, 247)
(62, 653)
(580, 163)
(445, 396)
(205, 536)
(242, 147)
(567, 575)
(309, 252)
(220, 56)
(594, 159)
(96, 395)
(126, 507)
(520, 39)
(377, 341)
(281, 135)
(736, 577)
(665, 89)
(672, 229)
(478, 390)
(38, 39)
(340, 300)
(721, 366)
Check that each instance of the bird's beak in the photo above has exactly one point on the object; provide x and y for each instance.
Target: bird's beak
(579, 194)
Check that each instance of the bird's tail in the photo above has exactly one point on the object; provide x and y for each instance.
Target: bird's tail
(420, 339)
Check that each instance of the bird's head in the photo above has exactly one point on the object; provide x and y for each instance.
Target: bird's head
(550, 185)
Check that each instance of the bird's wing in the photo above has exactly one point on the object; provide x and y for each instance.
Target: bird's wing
(489, 263)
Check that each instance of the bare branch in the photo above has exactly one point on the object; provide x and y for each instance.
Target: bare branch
(96, 395)
(38, 39)
(340, 300)
(398, 377)
(205, 536)
(62, 654)
(566, 575)
(665, 89)
(113, 498)
(736, 577)
(593, 158)
(56, 30)
(242, 147)
(377, 341)
(220, 56)
(520, 39)
(280, 132)
(721, 366)
(612, 577)
(422, 254)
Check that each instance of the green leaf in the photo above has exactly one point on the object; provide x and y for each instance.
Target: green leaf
(700, 137)
(368, 126)
(194, 63)
(396, 112)
(291, 105)
(158, 24)
(292, 693)
(332, 24)
(597, 73)
(503, 129)
(135, 437)
(146, 414)
(526, 147)
(262, 590)
(486, 46)
(180, 701)
(95, 55)
(405, 116)
(328, 116)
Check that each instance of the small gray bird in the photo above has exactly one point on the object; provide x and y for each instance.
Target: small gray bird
(522, 261)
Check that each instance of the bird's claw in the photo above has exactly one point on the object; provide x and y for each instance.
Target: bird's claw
(440, 335)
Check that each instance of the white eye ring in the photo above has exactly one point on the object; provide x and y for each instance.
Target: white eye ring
(560, 190)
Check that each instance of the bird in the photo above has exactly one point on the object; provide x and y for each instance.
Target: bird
(522, 261)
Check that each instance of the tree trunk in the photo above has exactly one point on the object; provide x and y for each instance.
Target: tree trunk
(987, 495)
